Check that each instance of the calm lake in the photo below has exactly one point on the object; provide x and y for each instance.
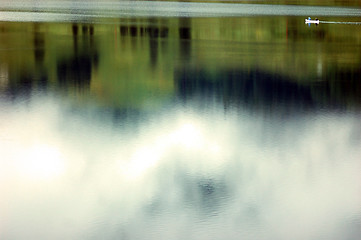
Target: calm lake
(174, 120)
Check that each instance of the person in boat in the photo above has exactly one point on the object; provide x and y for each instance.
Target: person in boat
(314, 21)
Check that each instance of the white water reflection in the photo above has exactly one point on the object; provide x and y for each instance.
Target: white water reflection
(182, 174)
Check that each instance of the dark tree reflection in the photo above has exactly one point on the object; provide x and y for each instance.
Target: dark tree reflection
(76, 71)
(260, 89)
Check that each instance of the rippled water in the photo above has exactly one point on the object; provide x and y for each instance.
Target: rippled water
(180, 128)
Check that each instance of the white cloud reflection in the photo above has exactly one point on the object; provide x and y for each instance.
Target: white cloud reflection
(40, 161)
(187, 136)
(182, 176)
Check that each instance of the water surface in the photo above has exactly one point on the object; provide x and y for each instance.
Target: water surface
(180, 128)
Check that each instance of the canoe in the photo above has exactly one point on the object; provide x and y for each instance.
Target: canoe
(312, 21)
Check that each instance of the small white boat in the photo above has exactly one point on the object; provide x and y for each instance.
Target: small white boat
(309, 21)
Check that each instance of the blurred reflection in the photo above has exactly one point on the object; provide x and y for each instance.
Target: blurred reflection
(76, 70)
(278, 59)
(154, 31)
(23, 88)
(75, 29)
(145, 129)
(151, 31)
(123, 30)
(259, 89)
(4, 76)
(185, 37)
(39, 55)
(178, 172)
(39, 46)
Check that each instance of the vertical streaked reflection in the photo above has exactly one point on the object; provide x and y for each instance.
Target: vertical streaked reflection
(236, 128)
(4, 76)
(76, 70)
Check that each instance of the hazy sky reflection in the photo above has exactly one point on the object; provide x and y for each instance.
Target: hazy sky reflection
(181, 174)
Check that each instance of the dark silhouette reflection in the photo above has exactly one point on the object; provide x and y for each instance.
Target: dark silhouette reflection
(185, 37)
(123, 30)
(91, 30)
(184, 33)
(39, 55)
(85, 29)
(164, 32)
(153, 32)
(76, 71)
(39, 47)
(75, 29)
(133, 31)
(24, 85)
(150, 31)
(153, 48)
(21, 87)
(259, 89)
